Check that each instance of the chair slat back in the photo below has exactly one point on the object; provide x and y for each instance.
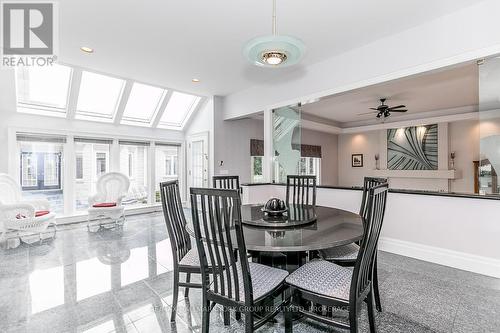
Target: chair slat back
(217, 222)
(226, 182)
(367, 184)
(175, 219)
(300, 190)
(363, 269)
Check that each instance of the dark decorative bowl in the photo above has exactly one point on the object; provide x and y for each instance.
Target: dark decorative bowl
(275, 207)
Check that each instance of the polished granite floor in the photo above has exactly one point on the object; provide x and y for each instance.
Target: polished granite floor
(121, 281)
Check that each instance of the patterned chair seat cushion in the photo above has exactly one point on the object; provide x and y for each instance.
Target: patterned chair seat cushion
(345, 252)
(193, 259)
(264, 279)
(324, 278)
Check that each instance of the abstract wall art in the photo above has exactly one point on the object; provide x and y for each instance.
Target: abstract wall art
(413, 148)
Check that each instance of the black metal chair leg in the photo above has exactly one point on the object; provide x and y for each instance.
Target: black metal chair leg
(175, 295)
(288, 319)
(248, 322)
(353, 319)
(371, 312)
(186, 290)
(225, 315)
(376, 292)
(205, 317)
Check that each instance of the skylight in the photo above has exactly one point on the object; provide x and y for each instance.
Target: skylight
(143, 104)
(43, 90)
(98, 97)
(179, 108)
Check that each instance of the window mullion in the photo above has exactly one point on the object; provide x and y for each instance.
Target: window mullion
(123, 102)
(76, 79)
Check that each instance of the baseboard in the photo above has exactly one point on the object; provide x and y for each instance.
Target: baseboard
(465, 261)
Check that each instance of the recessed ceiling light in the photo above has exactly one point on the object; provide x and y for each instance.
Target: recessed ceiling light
(195, 80)
(87, 49)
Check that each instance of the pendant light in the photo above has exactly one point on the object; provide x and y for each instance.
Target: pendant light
(274, 50)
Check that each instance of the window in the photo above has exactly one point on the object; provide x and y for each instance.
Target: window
(257, 175)
(92, 160)
(134, 162)
(43, 90)
(167, 165)
(101, 161)
(310, 166)
(79, 166)
(178, 110)
(143, 104)
(98, 97)
(40, 169)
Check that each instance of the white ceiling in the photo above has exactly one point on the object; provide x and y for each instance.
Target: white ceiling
(168, 43)
(454, 90)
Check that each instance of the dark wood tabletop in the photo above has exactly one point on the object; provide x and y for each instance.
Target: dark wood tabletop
(333, 227)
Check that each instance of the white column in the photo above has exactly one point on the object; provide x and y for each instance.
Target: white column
(267, 163)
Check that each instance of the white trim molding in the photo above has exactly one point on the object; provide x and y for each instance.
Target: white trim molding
(464, 261)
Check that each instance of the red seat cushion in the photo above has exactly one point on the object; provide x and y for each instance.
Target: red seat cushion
(104, 204)
(41, 213)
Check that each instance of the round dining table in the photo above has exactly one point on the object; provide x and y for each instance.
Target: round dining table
(301, 229)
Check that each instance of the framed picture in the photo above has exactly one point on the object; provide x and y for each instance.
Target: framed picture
(357, 160)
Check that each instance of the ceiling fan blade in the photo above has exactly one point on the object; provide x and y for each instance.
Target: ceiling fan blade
(372, 112)
(399, 110)
(376, 109)
(397, 107)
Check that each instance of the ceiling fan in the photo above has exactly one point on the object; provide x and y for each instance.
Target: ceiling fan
(383, 110)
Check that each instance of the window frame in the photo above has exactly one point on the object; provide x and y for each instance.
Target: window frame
(197, 100)
(40, 108)
(93, 116)
(127, 120)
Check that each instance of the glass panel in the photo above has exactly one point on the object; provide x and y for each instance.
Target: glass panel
(167, 166)
(133, 163)
(43, 87)
(286, 142)
(92, 160)
(488, 165)
(41, 165)
(99, 96)
(179, 108)
(143, 103)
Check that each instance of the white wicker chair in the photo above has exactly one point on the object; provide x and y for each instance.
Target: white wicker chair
(111, 188)
(18, 217)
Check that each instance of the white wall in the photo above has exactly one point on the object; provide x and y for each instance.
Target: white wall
(232, 145)
(464, 35)
(329, 151)
(463, 139)
(366, 143)
(457, 232)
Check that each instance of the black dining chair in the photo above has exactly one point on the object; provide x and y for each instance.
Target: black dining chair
(230, 280)
(185, 257)
(328, 284)
(226, 182)
(346, 255)
(300, 190)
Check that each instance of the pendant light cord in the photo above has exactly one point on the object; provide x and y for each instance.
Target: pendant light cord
(274, 18)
